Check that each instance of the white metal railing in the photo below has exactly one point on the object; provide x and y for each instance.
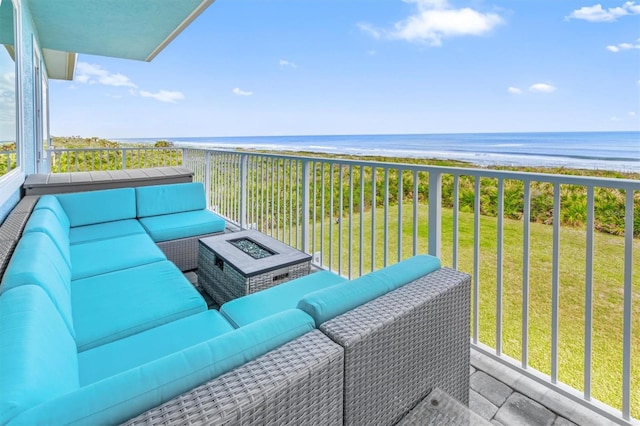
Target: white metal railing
(7, 161)
(532, 310)
(95, 159)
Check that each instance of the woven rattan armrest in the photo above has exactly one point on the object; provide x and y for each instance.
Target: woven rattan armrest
(299, 383)
(401, 345)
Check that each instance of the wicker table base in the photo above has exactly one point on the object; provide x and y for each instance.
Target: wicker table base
(226, 273)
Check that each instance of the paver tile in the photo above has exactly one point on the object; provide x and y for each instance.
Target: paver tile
(492, 389)
(519, 410)
(481, 405)
(561, 421)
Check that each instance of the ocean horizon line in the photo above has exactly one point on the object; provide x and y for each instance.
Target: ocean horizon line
(618, 150)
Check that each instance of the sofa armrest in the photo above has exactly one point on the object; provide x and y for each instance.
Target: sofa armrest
(400, 346)
(299, 383)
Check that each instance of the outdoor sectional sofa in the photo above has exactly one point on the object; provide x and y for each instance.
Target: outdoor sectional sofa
(98, 327)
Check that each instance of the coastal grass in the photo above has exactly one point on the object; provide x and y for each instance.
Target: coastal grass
(608, 278)
(95, 154)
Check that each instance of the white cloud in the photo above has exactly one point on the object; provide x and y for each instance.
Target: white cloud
(7, 107)
(514, 91)
(241, 92)
(434, 21)
(367, 28)
(542, 88)
(8, 87)
(624, 46)
(371, 52)
(597, 13)
(95, 74)
(163, 96)
(631, 116)
(285, 63)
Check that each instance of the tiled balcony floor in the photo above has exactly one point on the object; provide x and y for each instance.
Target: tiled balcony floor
(506, 398)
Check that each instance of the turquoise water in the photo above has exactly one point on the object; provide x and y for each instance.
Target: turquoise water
(590, 150)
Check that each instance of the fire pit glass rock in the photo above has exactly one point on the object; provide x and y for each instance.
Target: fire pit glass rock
(252, 248)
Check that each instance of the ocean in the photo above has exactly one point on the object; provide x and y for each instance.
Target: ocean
(618, 151)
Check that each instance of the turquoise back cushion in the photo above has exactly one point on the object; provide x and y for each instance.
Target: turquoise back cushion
(122, 396)
(36, 260)
(328, 303)
(38, 360)
(166, 199)
(87, 208)
(45, 221)
(50, 202)
(261, 304)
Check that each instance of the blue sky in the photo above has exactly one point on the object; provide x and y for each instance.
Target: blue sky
(312, 67)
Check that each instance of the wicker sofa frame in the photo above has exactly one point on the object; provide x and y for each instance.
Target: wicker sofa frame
(397, 349)
(300, 383)
(370, 366)
(183, 251)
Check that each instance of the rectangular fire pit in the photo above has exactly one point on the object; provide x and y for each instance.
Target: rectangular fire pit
(239, 263)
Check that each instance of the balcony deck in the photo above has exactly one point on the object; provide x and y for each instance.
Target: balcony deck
(504, 397)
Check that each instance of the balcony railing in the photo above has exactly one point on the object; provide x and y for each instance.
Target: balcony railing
(94, 159)
(552, 256)
(7, 161)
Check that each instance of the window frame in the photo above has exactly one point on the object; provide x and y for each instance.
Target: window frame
(13, 180)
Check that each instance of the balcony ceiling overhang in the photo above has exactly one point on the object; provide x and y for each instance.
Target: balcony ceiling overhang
(129, 29)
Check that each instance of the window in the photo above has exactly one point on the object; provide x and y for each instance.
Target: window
(9, 154)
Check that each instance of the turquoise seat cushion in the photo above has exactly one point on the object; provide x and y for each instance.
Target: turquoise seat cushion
(253, 307)
(37, 261)
(103, 231)
(38, 359)
(133, 351)
(87, 208)
(102, 256)
(118, 398)
(159, 200)
(182, 225)
(45, 221)
(115, 305)
(51, 202)
(328, 303)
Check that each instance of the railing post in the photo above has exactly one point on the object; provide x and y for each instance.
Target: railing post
(207, 177)
(435, 213)
(124, 159)
(305, 204)
(244, 171)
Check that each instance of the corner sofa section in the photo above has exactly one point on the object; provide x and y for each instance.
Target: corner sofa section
(98, 326)
(404, 330)
(173, 216)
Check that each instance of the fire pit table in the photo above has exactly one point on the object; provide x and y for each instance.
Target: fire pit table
(239, 263)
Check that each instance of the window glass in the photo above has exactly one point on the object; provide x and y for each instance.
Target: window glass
(8, 122)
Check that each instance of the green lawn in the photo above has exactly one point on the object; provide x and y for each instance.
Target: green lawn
(608, 288)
